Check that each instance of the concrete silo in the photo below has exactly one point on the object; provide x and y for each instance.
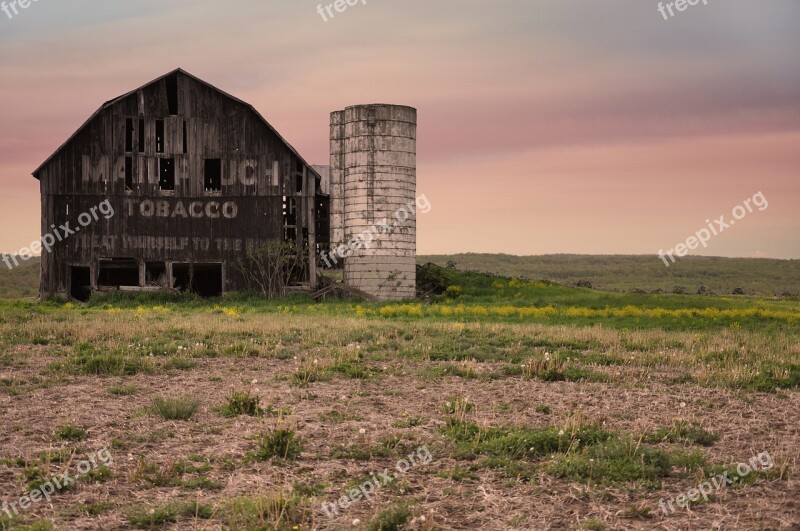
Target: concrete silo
(373, 185)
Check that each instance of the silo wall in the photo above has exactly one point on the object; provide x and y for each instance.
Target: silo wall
(374, 148)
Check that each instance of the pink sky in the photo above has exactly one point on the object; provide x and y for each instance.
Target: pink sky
(544, 127)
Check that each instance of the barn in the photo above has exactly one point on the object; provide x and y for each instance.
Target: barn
(191, 180)
(193, 176)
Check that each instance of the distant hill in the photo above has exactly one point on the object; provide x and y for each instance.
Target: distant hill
(20, 282)
(755, 276)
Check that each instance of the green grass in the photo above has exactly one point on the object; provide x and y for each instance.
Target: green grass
(38, 525)
(122, 390)
(520, 442)
(175, 408)
(578, 452)
(625, 273)
(279, 443)
(181, 364)
(159, 517)
(391, 519)
(684, 432)
(613, 461)
(279, 511)
(86, 360)
(181, 473)
(22, 282)
(242, 403)
(70, 433)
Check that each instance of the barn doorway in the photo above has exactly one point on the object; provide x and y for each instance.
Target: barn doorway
(203, 279)
(116, 272)
(80, 283)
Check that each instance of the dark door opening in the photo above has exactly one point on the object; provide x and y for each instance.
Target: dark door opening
(203, 279)
(80, 283)
(116, 272)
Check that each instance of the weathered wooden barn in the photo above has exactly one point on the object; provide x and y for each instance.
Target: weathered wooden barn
(195, 177)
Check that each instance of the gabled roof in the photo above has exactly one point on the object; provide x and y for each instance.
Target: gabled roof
(110, 103)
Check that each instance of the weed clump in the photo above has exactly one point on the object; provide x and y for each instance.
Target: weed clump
(70, 433)
(175, 408)
(242, 403)
(391, 519)
(684, 432)
(279, 443)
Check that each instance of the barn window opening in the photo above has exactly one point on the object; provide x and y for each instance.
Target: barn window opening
(185, 138)
(166, 174)
(129, 173)
(80, 283)
(141, 135)
(298, 183)
(203, 279)
(159, 136)
(172, 93)
(116, 272)
(128, 135)
(155, 274)
(249, 175)
(212, 178)
(289, 219)
(323, 217)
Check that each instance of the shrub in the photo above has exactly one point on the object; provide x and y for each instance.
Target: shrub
(453, 292)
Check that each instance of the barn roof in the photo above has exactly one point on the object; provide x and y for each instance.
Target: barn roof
(195, 78)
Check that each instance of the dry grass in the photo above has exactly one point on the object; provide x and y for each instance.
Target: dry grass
(387, 384)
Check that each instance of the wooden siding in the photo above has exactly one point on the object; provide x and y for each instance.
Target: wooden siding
(184, 225)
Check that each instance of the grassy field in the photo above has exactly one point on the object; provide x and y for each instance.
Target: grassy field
(500, 404)
(20, 282)
(754, 276)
